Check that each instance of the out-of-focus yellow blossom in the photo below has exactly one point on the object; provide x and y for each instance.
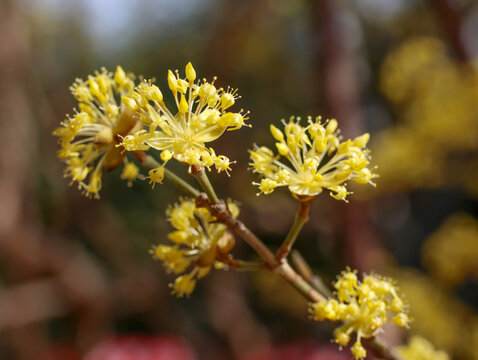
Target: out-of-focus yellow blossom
(437, 315)
(202, 116)
(130, 173)
(435, 96)
(88, 138)
(363, 307)
(451, 253)
(199, 242)
(317, 158)
(420, 349)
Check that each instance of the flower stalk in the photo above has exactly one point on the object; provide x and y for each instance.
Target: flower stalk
(150, 162)
(201, 177)
(283, 269)
(301, 217)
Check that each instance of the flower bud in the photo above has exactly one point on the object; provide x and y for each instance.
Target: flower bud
(190, 72)
(183, 105)
(276, 133)
(172, 82)
(129, 103)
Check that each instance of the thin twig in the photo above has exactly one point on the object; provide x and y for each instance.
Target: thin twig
(451, 20)
(242, 265)
(283, 269)
(306, 272)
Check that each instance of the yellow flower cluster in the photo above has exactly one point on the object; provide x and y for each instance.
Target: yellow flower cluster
(420, 349)
(434, 141)
(362, 306)
(201, 117)
(451, 253)
(316, 158)
(88, 139)
(198, 241)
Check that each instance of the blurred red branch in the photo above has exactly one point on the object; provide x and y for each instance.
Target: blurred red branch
(449, 13)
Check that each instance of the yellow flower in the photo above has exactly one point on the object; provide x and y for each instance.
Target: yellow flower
(420, 349)
(451, 253)
(316, 159)
(130, 173)
(198, 241)
(201, 117)
(435, 97)
(363, 307)
(88, 138)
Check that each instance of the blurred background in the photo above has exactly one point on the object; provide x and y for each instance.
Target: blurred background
(75, 271)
